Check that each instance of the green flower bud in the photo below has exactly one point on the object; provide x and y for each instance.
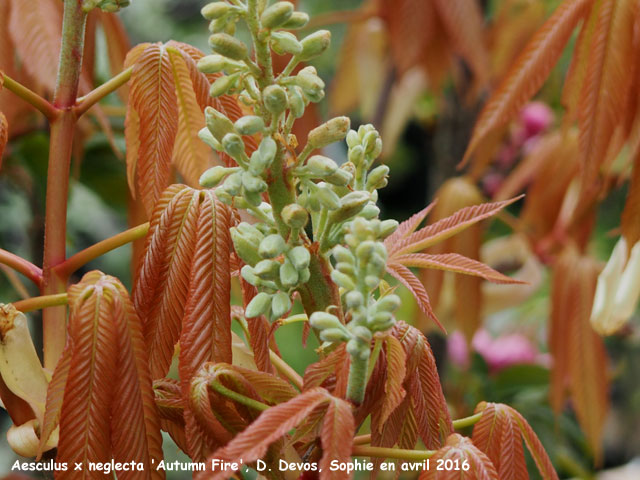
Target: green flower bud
(334, 335)
(228, 46)
(268, 149)
(376, 177)
(343, 280)
(387, 227)
(205, 135)
(299, 257)
(285, 42)
(329, 132)
(319, 166)
(246, 246)
(223, 84)
(253, 198)
(296, 20)
(276, 15)
(342, 254)
(280, 305)
(249, 125)
(212, 64)
(233, 184)
(288, 274)
(109, 6)
(314, 44)
(295, 216)
(369, 141)
(257, 163)
(296, 102)
(327, 197)
(356, 155)
(304, 276)
(275, 99)
(224, 197)
(354, 299)
(377, 150)
(267, 269)
(217, 123)
(213, 176)
(351, 204)
(352, 139)
(252, 183)
(272, 246)
(381, 321)
(370, 211)
(249, 275)
(347, 268)
(310, 83)
(340, 178)
(371, 281)
(323, 320)
(365, 250)
(362, 333)
(215, 10)
(259, 305)
(233, 145)
(388, 303)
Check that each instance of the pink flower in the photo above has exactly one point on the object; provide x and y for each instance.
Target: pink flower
(535, 118)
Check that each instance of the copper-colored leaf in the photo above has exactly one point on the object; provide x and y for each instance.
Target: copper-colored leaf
(4, 135)
(162, 285)
(154, 98)
(36, 31)
(316, 374)
(464, 451)
(272, 424)
(395, 375)
(604, 92)
(423, 384)
(55, 396)
(529, 71)
(338, 428)
(630, 220)
(409, 225)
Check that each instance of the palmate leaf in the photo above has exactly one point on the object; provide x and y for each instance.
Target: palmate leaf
(396, 370)
(338, 429)
(102, 383)
(461, 449)
(529, 71)
(500, 433)
(272, 424)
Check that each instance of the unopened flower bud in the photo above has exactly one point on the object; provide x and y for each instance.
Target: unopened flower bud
(387, 227)
(259, 305)
(309, 81)
(371, 281)
(272, 246)
(212, 63)
(314, 44)
(249, 125)
(252, 183)
(340, 178)
(362, 333)
(351, 204)
(275, 99)
(285, 42)
(217, 123)
(356, 154)
(342, 254)
(249, 275)
(245, 246)
(343, 280)
(329, 132)
(253, 198)
(233, 144)
(268, 149)
(280, 305)
(222, 85)
(296, 102)
(328, 198)
(370, 211)
(377, 177)
(352, 139)
(213, 176)
(295, 216)
(233, 184)
(381, 321)
(299, 257)
(276, 14)
(228, 46)
(288, 274)
(334, 335)
(267, 269)
(346, 267)
(321, 166)
(296, 20)
(323, 320)
(215, 10)
(388, 303)
(205, 135)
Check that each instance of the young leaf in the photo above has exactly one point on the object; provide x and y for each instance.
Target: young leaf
(423, 384)
(466, 453)
(338, 429)
(252, 443)
(4, 135)
(154, 99)
(529, 71)
(395, 375)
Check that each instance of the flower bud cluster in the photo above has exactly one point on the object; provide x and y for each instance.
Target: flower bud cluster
(109, 6)
(273, 266)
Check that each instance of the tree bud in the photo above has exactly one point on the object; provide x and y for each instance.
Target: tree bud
(222, 85)
(299, 257)
(268, 149)
(253, 198)
(275, 99)
(310, 83)
(212, 64)
(205, 135)
(329, 132)
(362, 333)
(217, 123)
(285, 42)
(343, 280)
(267, 269)
(354, 299)
(381, 321)
(246, 247)
(352, 139)
(323, 320)
(334, 335)
(370, 211)
(253, 184)
(351, 204)
(272, 246)
(233, 184)
(228, 46)
(388, 303)
(327, 197)
(296, 20)
(376, 177)
(249, 125)
(233, 145)
(346, 267)
(280, 305)
(387, 227)
(295, 216)
(276, 14)
(340, 178)
(296, 102)
(356, 155)
(342, 254)
(259, 305)
(371, 281)
(314, 44)
(321, 166)
(215, 10)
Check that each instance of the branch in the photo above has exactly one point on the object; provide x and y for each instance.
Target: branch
(85, 256)
(380, 452)
(285, 369)
(37, 303)
(29, 96)
(22, 266)
(238, 397)
(90, 99)
(467, 421)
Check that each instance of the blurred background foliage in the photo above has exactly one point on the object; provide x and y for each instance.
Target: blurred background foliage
(426, 126)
